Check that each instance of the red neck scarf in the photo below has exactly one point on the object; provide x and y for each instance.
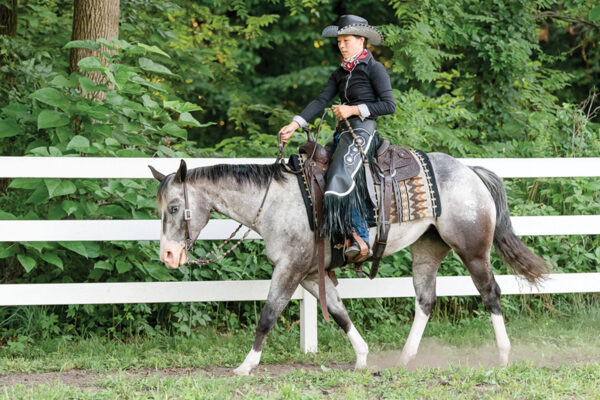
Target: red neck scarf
(348, 64)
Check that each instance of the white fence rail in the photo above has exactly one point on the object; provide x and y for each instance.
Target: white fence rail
(156, 292)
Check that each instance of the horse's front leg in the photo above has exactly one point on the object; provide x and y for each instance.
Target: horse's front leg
(284, 282)
(340, 315)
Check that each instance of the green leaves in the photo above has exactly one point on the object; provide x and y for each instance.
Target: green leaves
(51, 119)
(9, 128)
(79, 143)
(172, 129)
(84, 44)
(85, 249)
(181, 107)
(88, 86)
(594, 14)
(56, 187)
(149, 65)
(52, 97)
(27, 262)
(123, 266)
(115, 211)
(52, 258)
(91, 64)
(187, 118)
(106, 266)
(153, 49)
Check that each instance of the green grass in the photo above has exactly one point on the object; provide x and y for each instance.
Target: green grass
(520, 381)
(125, 369)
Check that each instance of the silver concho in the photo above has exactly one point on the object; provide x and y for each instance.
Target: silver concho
(353, 150)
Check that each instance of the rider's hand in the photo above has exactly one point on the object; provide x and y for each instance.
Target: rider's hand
(344, 112)
(287, 131)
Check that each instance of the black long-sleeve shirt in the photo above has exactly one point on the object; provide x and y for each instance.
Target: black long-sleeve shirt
(367, 85)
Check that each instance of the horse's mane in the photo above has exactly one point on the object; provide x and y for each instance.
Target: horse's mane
(256, 174)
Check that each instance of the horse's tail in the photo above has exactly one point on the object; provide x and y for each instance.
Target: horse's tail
(510, 248)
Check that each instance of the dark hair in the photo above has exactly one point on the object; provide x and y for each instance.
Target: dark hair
(365, 42)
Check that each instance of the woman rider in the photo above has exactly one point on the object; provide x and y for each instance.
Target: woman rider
(365, 91)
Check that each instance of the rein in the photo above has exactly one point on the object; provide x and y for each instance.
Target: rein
(187, 212)
(189, 242)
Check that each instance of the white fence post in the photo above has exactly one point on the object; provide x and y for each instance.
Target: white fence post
(308, 323)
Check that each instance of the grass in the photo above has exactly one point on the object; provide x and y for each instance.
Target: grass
(519, 381)
(135, 368)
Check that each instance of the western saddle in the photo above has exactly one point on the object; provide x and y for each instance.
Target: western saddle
(392, 164)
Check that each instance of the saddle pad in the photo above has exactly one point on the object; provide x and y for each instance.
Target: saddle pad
(419, 196)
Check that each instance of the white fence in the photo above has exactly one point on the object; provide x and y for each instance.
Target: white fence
(156, 292)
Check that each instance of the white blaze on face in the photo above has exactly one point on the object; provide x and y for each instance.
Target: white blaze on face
(172, 253)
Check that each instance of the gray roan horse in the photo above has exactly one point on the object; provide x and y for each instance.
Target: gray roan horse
(475, 215)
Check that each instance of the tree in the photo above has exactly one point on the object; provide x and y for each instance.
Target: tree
(93, 20)
(8, 17)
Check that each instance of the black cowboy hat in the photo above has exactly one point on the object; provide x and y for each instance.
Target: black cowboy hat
(354, 25)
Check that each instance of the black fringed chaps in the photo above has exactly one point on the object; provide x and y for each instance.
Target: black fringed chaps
(339, 205)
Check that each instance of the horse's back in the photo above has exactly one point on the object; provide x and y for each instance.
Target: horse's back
(468, 209)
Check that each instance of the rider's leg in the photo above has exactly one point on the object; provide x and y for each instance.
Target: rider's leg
(362, 229)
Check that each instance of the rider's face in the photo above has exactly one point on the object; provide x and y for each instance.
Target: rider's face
(349, 45)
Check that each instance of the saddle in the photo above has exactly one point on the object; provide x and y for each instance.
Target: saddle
(392, 164)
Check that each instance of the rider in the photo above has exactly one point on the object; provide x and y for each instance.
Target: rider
(365, 91)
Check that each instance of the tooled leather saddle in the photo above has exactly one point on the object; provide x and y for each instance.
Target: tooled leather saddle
(392, 164)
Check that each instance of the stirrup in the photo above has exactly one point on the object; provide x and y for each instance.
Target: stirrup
(359, 250)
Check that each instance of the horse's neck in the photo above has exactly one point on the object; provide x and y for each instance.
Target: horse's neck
(240, 202)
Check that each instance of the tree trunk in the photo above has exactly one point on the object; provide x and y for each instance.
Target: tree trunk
(93, 20)
(8, 17)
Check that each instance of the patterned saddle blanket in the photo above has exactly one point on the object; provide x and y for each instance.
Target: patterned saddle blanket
(416, 197)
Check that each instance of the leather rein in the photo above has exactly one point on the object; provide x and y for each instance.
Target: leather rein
(187, 215)
(187, 212)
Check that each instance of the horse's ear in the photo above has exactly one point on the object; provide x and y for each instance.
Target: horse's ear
(157, 175)
(181, 172)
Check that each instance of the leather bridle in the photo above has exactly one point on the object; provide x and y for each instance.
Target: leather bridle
(187, 216)
(189, 241)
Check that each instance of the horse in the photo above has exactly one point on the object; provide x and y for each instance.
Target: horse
(475, 216)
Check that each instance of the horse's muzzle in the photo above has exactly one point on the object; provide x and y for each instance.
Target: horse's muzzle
(173, 254)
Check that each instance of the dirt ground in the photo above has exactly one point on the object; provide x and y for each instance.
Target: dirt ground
(432, 354)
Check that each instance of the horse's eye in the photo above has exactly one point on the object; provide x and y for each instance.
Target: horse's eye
(174, 209)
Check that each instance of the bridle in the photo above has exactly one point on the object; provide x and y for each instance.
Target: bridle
(189, 241)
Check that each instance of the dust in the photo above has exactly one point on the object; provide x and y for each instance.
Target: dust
(434, 353)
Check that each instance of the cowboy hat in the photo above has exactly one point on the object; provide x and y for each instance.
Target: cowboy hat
(354, 25)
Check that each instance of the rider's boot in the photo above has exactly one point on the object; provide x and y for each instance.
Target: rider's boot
(358, 251)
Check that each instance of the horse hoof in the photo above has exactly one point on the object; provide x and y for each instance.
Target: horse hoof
(406, 359)
(360, 365)
(361, 361)
(241, 371)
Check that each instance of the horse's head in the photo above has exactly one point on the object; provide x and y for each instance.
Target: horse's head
(180, 225)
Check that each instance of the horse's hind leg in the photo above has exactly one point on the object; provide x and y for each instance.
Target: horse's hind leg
(483, 278)
(340, 315)
(284, 282)
(427, 253)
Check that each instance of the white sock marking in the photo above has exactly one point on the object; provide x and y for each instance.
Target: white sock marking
(502, 340)
(251, 361)
(414, 337)
(360, 347)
